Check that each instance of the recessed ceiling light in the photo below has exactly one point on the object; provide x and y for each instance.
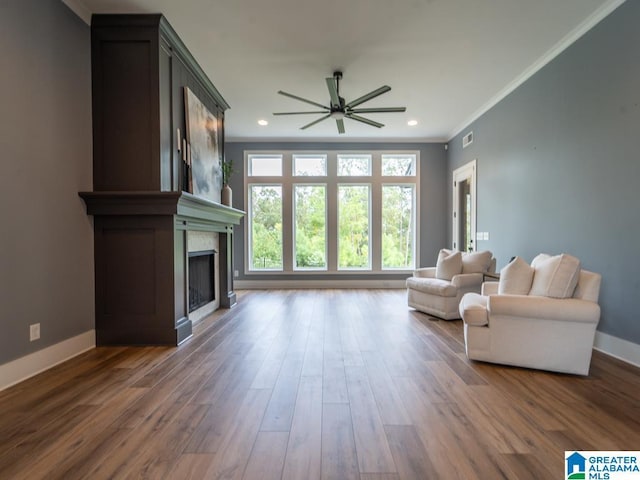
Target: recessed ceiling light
(412, 123)
(263, 122)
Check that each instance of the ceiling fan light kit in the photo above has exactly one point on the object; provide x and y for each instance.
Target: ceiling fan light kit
(338, 109)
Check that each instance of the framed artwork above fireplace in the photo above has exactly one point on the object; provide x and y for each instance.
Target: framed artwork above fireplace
(202, 136)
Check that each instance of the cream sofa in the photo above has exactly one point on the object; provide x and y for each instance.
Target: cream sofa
(533, 331)
(462, 273)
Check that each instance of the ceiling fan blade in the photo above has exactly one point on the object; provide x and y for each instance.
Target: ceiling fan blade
(333, 92)
(368, 96)
(340, 125)
(364, 120)
(314, 122)
(380, 110)
(297, 113)
(303, 99)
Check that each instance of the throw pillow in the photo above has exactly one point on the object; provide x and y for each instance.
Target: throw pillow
(444, 252)
(539, 258)
(556, 276)
(448, 265)
(516, 278)
(476, 262)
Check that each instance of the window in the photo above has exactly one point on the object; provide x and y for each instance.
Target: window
(265, 165)
(398, 224)
(354, 165)
(353, 227)
(310, 227)
(309, 165)
(332, 211)
(398, 165)
(266, 227)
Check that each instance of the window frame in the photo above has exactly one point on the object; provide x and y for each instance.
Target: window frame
(287, 180)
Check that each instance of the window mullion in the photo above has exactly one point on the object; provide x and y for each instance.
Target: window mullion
(287, 213)
(332, 224)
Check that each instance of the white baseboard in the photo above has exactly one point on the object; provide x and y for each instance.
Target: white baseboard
(25, 367)
(320, 284)
(616, 347)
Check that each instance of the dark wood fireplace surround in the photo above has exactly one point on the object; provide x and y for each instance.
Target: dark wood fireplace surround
(141, 211)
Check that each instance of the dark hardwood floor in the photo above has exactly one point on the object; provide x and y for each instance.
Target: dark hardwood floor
(308, 384)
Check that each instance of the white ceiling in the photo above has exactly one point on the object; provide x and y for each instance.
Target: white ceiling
(447, 61)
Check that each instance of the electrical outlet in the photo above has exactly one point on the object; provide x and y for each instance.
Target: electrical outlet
(34, 332)
(236, 274)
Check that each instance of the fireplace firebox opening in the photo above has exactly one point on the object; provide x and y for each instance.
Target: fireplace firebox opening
(201, 278)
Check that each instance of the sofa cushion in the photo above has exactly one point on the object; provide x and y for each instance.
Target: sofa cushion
(476, 262)
(448, 265)
(473, 309)
(556, 276)
(434, 286)
(516, 278)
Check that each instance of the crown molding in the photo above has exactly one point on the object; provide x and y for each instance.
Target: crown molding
(80, 9)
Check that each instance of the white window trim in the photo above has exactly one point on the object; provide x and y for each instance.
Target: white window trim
(331, 180)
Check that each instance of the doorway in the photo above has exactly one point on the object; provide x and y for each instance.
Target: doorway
(464, 207)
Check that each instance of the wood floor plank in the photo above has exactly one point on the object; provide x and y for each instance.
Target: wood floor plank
(409, 453)
(156, 460)
(267, 456)
(448, 438)
(211, 431)
(303, 459)
(339, 457)
(191, 466)
(379, 476)
(388, 399)
(281, 406)
(72, 447)
(351, 383)
(334, 382)
(374, 455)
(232, 457)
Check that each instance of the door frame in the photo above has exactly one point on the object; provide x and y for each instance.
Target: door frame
(467, 171)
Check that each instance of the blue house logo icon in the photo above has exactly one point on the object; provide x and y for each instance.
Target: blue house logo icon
(576, 466)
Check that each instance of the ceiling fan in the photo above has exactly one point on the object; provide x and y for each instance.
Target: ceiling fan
(339, 110)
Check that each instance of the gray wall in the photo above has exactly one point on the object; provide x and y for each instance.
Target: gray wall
(46, 244)
(558, 165)
(432, 197)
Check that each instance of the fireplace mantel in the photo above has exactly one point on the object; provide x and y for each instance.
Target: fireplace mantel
(185, 206)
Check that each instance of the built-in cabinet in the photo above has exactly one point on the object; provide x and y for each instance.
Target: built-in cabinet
(141, 211)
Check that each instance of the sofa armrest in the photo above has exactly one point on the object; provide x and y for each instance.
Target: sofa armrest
(490, 288)
(426, 272)
(463, 280)
(544, 308)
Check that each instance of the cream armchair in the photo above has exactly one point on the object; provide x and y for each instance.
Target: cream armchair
(440, 297)
(533, 331)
